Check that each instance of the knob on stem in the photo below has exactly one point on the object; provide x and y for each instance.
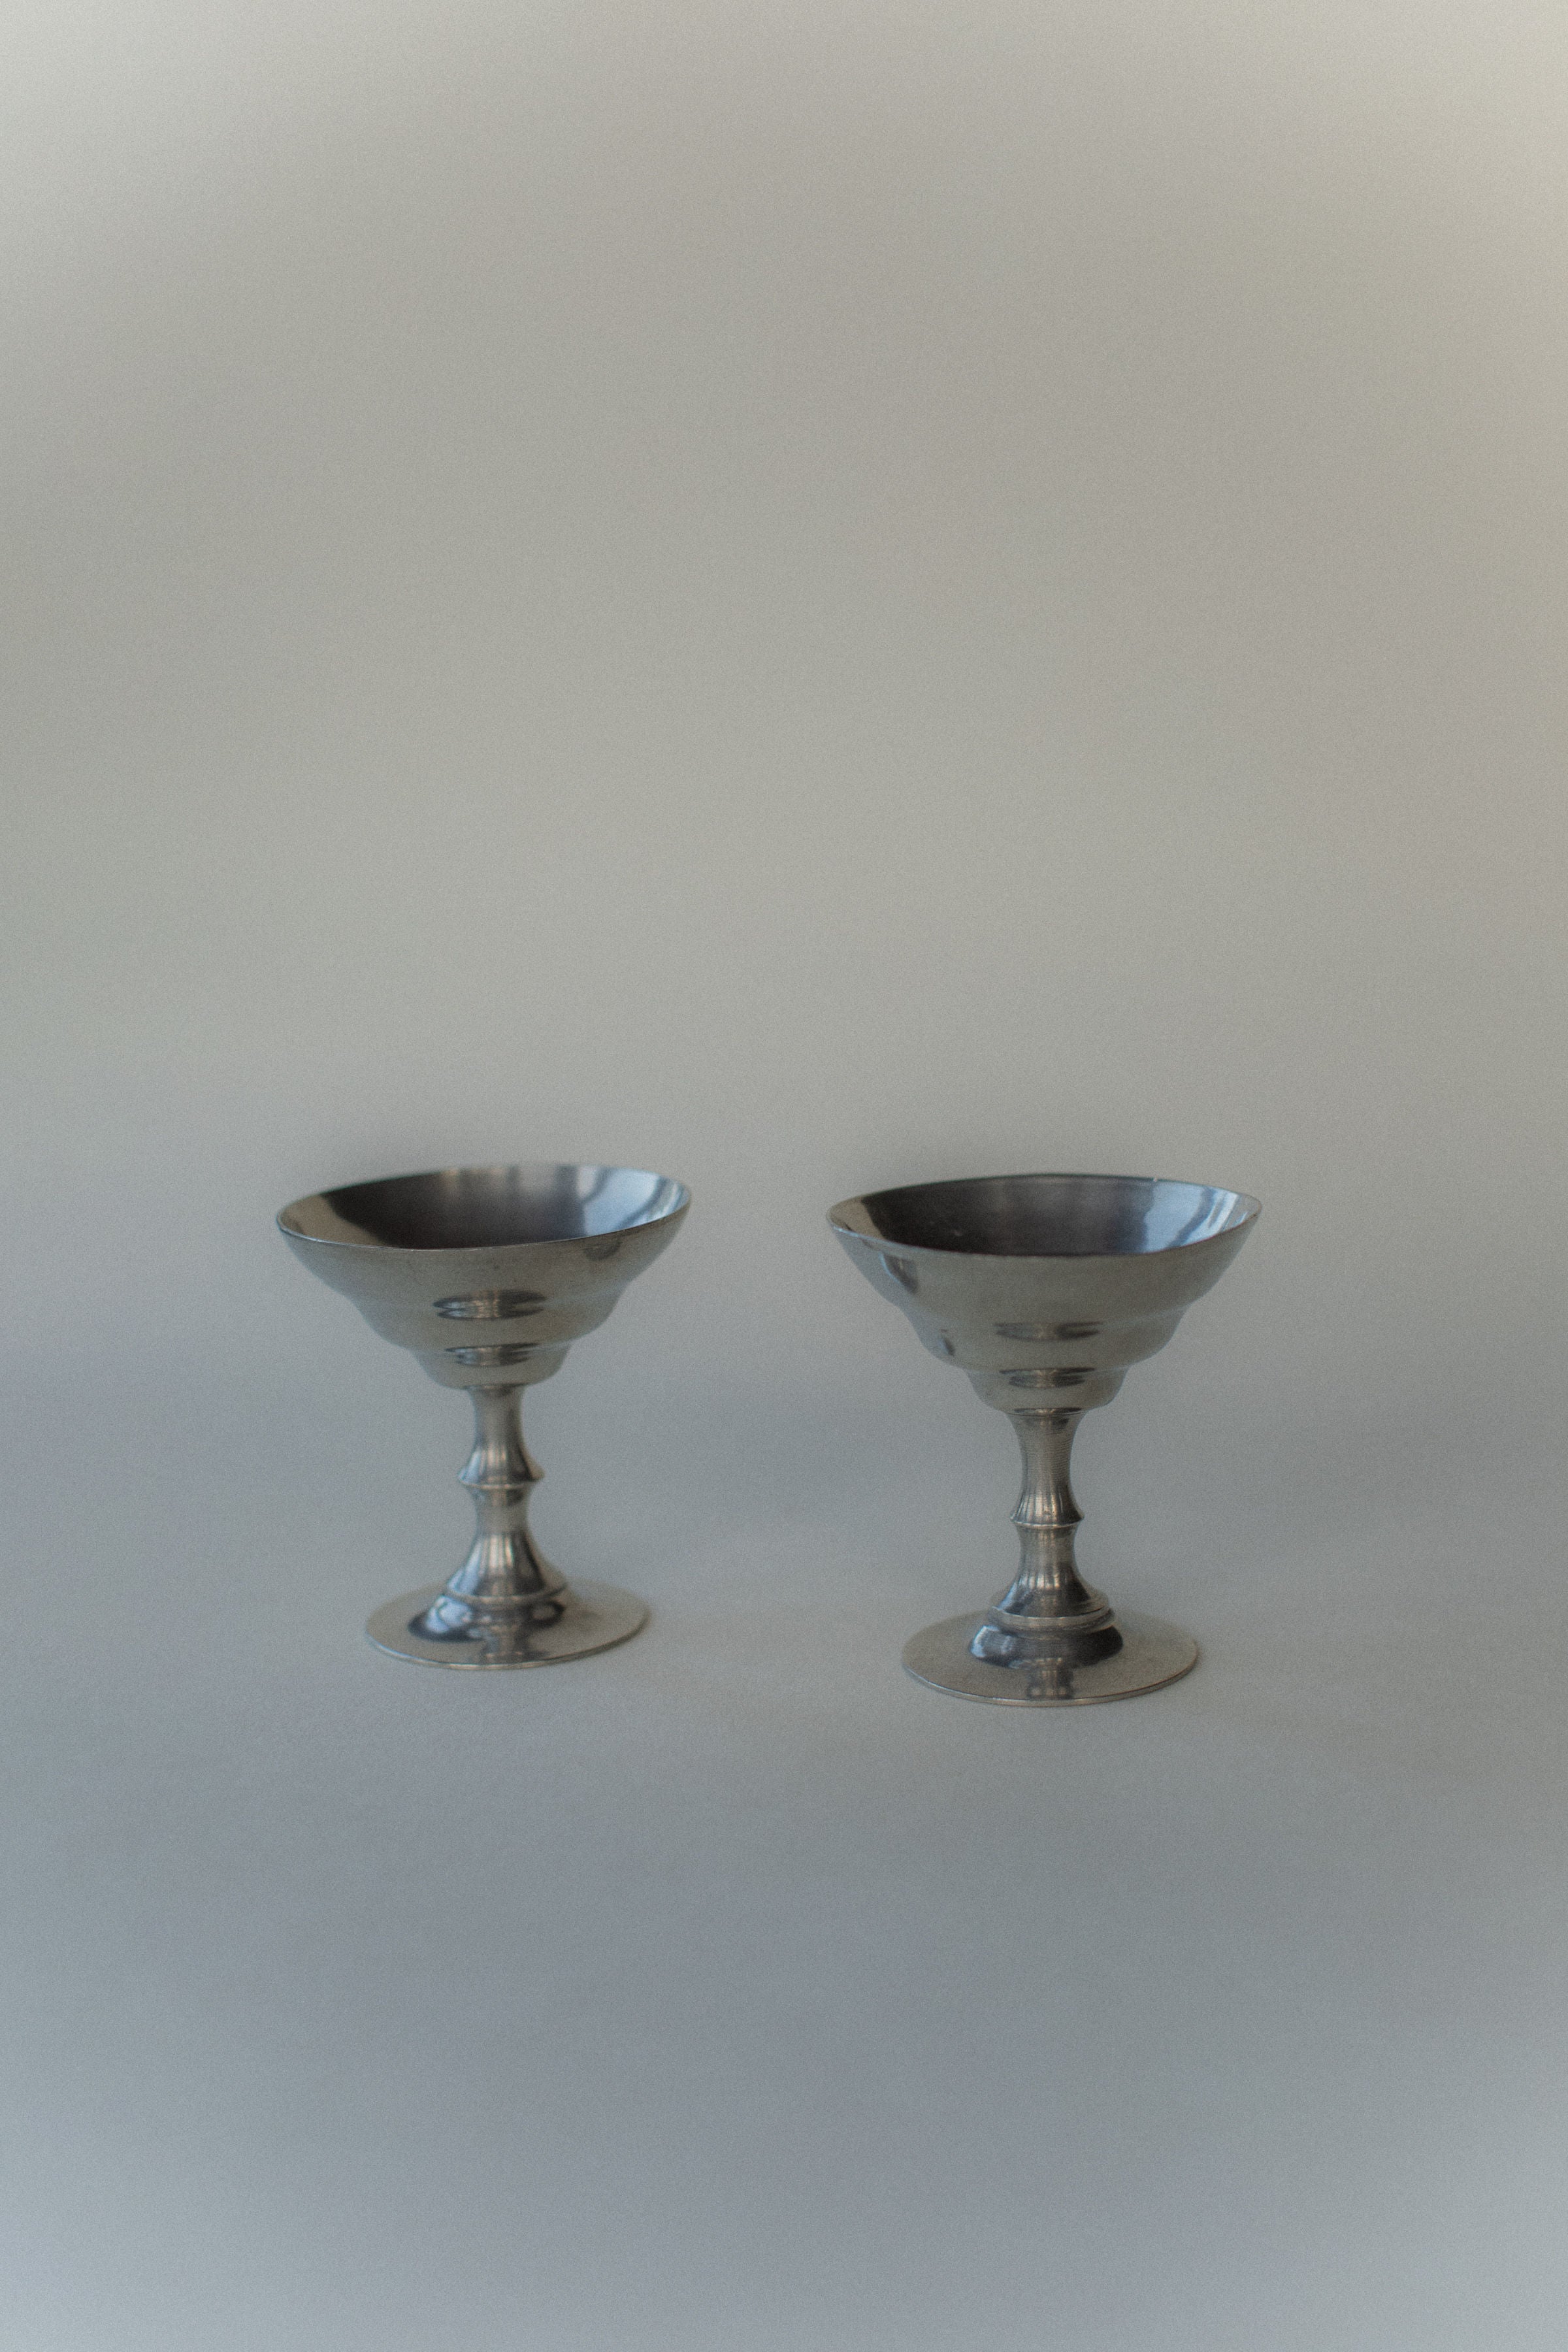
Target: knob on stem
(505, 1589)
(1047, 1599)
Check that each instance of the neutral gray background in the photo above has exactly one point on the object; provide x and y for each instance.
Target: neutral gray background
(808, 596)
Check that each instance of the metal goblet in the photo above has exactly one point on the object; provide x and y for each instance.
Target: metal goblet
(1044, 1289)
(488, 1275)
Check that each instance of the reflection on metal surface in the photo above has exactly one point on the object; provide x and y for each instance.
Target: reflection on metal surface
(1044, 1290)
(434, 1631)
(1129, 1654)
(509, 1351)
(506, 1247)
(490, 1307)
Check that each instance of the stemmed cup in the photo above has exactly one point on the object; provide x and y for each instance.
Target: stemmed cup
(487, 1274)
(1044, 1290)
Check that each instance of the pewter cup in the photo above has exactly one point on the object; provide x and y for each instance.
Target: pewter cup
(1044, 1289)
(487, 1274)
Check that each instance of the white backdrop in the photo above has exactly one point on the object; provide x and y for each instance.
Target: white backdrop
(809, 598)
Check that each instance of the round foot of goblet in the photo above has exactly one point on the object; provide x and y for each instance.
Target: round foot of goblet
(1133, 1654)
(592, 1617)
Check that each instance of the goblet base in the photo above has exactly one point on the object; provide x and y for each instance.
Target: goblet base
(593, 1617)
(1081, 1670)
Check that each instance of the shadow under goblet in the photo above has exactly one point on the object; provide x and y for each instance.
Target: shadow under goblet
(487, 1274)
(1044, 1289)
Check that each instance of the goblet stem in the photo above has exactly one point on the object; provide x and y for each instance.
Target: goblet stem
(505, 1586)
(1047, 1595)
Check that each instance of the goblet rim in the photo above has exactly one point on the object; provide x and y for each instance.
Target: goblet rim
(289, 1220)
(841, 1217)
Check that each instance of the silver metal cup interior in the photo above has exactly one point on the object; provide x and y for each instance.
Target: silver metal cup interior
(488, 1275)
(1046, 1289)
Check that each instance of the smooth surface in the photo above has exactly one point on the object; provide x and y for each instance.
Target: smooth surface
(1128, 1656)
(488, 1275)
(736, 1919)
(1044, 1290)
(486, 1209)
(591, 1617)
(809, 596)
(1048, 1215)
